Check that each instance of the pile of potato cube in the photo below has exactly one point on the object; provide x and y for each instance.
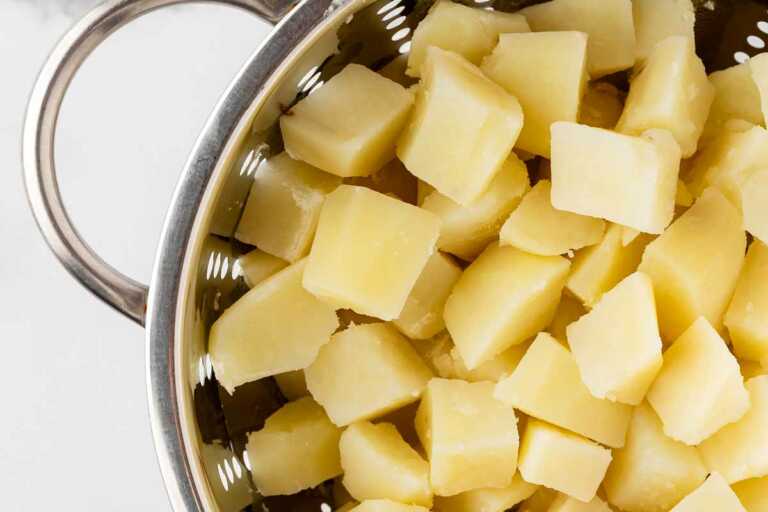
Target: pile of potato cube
(511, 284)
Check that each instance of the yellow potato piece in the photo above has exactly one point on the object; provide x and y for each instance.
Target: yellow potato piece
(568, 311)
(369, 250)
(747, 315)
(547, 385)
(493, 370)
(386, 506)
(740, 450)
(503, 298)
(564, 503)
(368, 452)
(546, 72)
(671, 92)
(695, 264)
(489, 499)
(753, 494)
(466, 230)
(736, 97)
(699, 389)
(364, 372)
(562, 461)
(714, 495)
(470, 437)
(608, 23)
(348, 127)
(617, 345)
(283, 206)
(656, 20)
(601, 105)
(652, 472)
(754, 202)
(257, 265)
(292, 385)
(258, 335)
(298, 448)
(625, 179)
(462, 129)
(758, 65)
(537, 227)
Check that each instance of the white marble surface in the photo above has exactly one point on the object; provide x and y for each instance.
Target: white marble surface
(74, 428)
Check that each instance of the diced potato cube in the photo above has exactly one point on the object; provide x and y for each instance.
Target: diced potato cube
(564, 503)
(470, 437)
(546, 385)
(492, 370)
(503, 298)
(422, 315)
(625, 179)
(736, 97)
(537, 227)
(386, 506)
(671, 92)
(562, 461)
(257, 265)
(364, 372)
(392, 179)
(601, 106)
(656, 20)
(369, 250)
(599, 268)
(714, 495)
(753, 494)
(546, 72)
(747, 316)
(652, 472)
(740, 450)
(489, 499)
(369, 452)
(754, 202)
(462, 129)
(617, 345)
(348, 127)
(292, 385)
(694, 265)
(758, 65)
(468, 31)
(568, 311)
(283, 206)
(608, 23)
(466, 230)
(699, 389)
(298, 448)
(258, 335)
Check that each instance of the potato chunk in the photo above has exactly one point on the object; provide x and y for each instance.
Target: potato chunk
(608, 23)
(562, 461)
(564, 503)
(283, 206)
(753, 494)
(298, 448)
(617, 345)
(368, 452)
(671, 92)
(257, 265)
(348, 127)
(736, 97)
(489, 499)
(470, 437)
(537, 227)
(747, 316)
(624, 179)
(258, 335)
(656, 20)
(292, 385)
(740, 450)
(652, 472)
(601, 105)
(694, 265)
(462, 128)
(714, 495)
(504, 297)
(364, 372)
(466, 230)
(369, 250)
(754, 202)
(546, 385)
(699, 389)
(386, 506)
(546, 72)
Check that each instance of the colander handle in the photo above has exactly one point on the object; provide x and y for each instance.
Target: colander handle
(113, 287)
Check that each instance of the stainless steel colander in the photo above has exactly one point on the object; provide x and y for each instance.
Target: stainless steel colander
(199, 429)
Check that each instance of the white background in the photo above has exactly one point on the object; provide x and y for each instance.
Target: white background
(74, 430)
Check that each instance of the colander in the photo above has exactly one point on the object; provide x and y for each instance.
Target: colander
(199, 429)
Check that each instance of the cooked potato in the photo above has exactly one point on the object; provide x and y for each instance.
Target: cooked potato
(462, 128)
(547, 385)
(257, 265)
(562, 461)
(736, 97)
(258, 336)
(537, 227)
(714, 495)
(656, 20)
(503, 298)
(625, 179)
(386, 506)
(747, 315)
(489, 499)
(601, 105)
(699, 389)
(348, 127)
(753, 494)
(364, 372)
(758, 65)
(292, 385)
(385, 242)
(470, 437)
(298, 448)
(546, 72)
(754, 202)
(436, 353)
(564, 503)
